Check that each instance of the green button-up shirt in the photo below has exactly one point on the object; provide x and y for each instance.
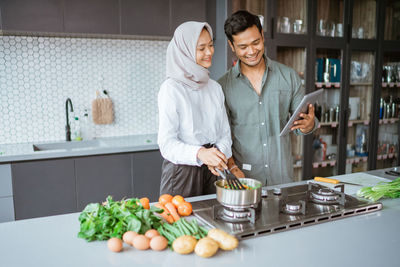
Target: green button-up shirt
(256, 121)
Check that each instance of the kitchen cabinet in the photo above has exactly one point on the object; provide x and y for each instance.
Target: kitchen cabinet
(145, 17)
(345, 47)
(57, 186)
(389, 105)
(186, 10)
(146, 168)
(43, 188)
(92, 16)
(116, 17)
(35, 16)
(392, 22)
(6, 194)
(100, 176)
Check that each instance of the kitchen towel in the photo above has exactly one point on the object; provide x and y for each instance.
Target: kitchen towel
(102, 110)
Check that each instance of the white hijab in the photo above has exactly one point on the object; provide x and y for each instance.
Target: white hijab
(181, 55)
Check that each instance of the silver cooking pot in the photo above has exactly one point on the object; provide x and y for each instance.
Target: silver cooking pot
(234, 198)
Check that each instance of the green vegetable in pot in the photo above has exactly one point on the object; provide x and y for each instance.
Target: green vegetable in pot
(382, 189)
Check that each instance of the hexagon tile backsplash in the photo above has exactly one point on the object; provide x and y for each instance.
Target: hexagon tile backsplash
(38, 74)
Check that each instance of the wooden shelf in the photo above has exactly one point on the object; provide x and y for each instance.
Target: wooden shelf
(391, 84)
(352, 122)
(388, 121)
(386, 156)
(329, 124)
(327, 85)
(324, 164)
(360, 84)
(356, 160)
(295, 166)
(353, 160)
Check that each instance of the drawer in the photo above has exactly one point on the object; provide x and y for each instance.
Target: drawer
(5, 180)
(6, 209)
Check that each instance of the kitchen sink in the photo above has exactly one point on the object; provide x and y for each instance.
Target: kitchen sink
(73, 145)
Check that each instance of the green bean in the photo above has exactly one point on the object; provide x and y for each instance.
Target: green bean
(188, 226)
(195, 225)
(173, 230)
(180, 225)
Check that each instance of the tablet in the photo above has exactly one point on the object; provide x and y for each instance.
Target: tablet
(310, 98)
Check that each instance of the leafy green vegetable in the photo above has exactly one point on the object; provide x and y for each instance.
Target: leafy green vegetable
(382, 189)
(114, 218)
(180, 228)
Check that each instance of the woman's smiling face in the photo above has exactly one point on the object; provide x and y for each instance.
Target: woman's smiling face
(204, 49)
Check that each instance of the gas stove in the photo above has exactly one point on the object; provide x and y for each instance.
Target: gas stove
(282, 209)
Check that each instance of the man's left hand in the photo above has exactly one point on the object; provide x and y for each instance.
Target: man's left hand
(307, 123)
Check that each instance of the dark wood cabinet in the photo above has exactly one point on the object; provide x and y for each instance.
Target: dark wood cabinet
(145, 17)
(127, 17)
(58, 186)
(92, 16)
(187, 10)
(100, 176)
(43, 188)
(146, 168)
(36, 16)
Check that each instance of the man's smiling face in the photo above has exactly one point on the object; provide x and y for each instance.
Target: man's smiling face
(248, 46)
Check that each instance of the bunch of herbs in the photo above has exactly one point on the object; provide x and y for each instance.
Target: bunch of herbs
(114, 218)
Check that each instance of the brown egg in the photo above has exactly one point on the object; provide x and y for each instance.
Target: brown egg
(129, 236)
(141, 242)
(114, 244)
(158, 243)
(151, 233)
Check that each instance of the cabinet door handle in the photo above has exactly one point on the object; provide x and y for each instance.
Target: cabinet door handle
(346, 120)
(272, 28)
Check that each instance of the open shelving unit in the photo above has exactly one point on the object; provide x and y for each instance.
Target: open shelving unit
(363, 36)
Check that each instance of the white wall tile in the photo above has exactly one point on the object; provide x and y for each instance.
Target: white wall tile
(37, 75)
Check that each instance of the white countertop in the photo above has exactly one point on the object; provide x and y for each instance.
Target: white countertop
(365, 240)
(109, 145)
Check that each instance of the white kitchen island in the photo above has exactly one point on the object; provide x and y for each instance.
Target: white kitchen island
(365, 240)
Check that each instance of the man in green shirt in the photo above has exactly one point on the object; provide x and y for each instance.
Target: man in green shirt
(260, 94)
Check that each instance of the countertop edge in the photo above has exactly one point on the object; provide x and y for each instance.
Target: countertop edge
(113, 145)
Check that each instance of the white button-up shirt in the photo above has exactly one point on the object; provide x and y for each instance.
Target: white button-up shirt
(190, 118)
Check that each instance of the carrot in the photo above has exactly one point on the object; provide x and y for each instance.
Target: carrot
(145, 203)
(172, 210)
(166, 215)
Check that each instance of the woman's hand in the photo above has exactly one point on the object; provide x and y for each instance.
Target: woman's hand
(212, 157)
(213, 171)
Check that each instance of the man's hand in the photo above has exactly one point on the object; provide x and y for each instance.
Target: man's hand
(237, 172)
(307, 123)
(212, 157)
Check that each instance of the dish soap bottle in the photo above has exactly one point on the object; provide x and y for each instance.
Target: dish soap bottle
(86, 132)
(77, 130)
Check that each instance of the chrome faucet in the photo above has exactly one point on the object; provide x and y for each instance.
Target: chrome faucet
(68, 127)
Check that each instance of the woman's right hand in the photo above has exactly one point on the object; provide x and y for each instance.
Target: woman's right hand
(212, 157)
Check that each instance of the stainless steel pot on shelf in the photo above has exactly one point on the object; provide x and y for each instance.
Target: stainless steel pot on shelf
(239, 199)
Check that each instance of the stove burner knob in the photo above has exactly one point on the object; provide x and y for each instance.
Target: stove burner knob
(264, 192)
(277, 191)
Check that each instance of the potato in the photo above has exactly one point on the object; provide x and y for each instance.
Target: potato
(225, 241)
(206, 247)
(184, 244)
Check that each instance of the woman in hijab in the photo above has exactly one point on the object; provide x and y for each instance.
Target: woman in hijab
(194, 135)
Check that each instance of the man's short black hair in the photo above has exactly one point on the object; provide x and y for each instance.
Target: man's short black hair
(239, 22)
